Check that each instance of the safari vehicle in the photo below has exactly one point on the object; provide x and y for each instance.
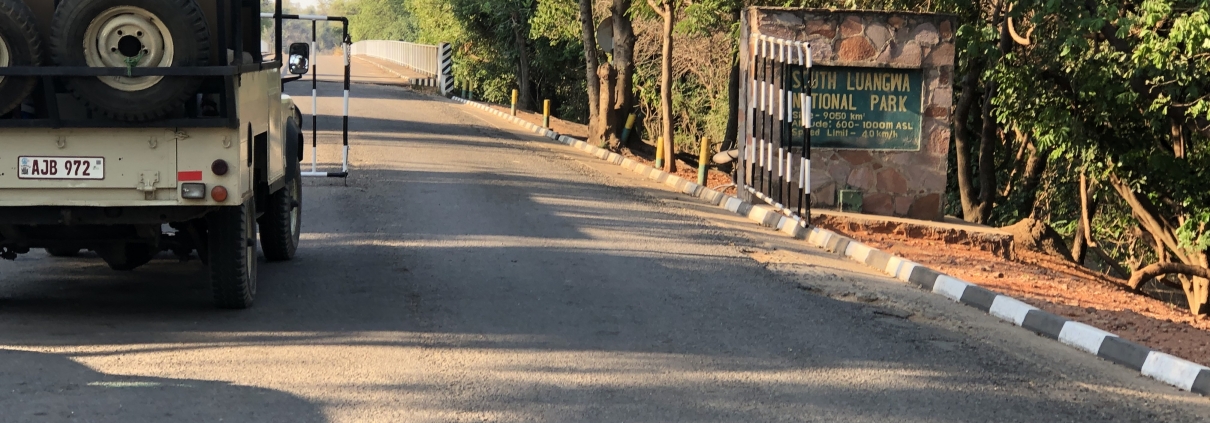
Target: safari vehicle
(132, 127)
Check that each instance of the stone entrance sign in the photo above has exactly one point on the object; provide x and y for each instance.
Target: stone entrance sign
(882, 93)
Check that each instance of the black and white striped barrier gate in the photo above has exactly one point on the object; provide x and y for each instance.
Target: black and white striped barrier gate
(447, 69)
(347, 47)
(778, 130)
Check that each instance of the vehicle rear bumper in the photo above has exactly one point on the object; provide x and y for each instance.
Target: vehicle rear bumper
(79, 215)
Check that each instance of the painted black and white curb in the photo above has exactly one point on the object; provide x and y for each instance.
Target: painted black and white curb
(1166, 368)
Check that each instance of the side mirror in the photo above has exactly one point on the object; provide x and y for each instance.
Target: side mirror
(300, 58)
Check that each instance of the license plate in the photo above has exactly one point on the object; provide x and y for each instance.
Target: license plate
(31, 167)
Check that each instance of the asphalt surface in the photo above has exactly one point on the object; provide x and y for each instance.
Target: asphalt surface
(470, 272)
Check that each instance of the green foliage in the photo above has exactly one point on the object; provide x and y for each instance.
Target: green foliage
(376, 19)
(329, 35)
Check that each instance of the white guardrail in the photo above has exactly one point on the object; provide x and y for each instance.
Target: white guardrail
(422, 58)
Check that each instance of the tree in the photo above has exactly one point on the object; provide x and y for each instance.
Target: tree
(1119, 89)
(505, 25)
(615, 93)
(589, 34)
(623, 63)
(667, 10)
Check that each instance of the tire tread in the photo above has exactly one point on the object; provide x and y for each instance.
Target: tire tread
(277, 235)
(24, 24)
(227, 232)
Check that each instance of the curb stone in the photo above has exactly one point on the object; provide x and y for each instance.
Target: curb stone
(1175, 371)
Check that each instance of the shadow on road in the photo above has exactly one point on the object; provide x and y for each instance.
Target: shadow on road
(50, 387)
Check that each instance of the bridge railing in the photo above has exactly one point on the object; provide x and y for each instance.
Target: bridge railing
(421, 58)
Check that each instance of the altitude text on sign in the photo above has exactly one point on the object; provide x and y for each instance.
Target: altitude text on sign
(861, 108)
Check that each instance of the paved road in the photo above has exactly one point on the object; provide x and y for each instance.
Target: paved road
(467, 272)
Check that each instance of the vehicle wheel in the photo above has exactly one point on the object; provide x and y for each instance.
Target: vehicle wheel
(63, 252)
(281, 225)
(20, 45)
(131, 33)
(231, 233)
(127, 257)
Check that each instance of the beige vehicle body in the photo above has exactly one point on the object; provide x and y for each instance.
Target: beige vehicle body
(145, 167)
(166, 129)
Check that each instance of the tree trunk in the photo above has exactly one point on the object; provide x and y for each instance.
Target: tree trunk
(987, 159)
(667, 10)
(962, 145)
(623, 62)
(523, 77)
(1179, 147)
(731, 136)
(1018, 162)
(980, 210)
(1083, 240)
(1034, 166)
(1079, 247)
(588, 27)
(607, 121)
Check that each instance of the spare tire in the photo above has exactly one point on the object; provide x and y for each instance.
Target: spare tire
(19, 46)
(131, 33)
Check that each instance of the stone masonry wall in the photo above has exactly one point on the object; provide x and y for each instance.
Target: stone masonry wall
(893, 183)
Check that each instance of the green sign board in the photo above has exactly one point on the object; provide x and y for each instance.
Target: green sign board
(860, 108)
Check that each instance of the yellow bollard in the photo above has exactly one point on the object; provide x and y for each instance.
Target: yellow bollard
(546, 114)
(629, 127)
(659, 153)
(515, 102)
(701, 161)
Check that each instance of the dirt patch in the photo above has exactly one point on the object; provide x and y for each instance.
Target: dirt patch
(1053, 285)
(1000, 245)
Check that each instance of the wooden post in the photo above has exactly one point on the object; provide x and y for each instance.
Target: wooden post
(703, 157)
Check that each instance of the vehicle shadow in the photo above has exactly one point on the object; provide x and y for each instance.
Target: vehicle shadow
(51, 387)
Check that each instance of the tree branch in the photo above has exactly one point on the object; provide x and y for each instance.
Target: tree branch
(1012, 31)
(1148, 217)
(1160, 269)
(658, 7)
